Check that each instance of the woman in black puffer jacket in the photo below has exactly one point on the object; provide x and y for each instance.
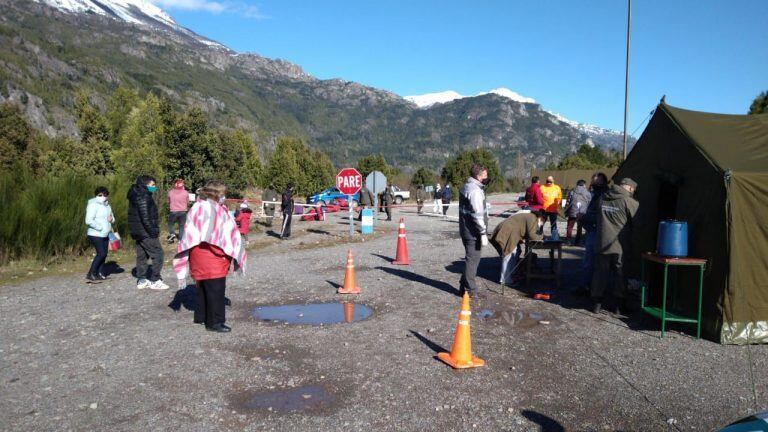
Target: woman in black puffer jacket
(145, 231)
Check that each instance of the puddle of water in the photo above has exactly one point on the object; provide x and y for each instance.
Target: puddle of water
(304, 398)
(314, 313)
(517, 318)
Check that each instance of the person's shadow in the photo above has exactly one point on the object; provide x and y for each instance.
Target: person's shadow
(546, 423)
(411, 276)
(186, 297)
(111, 267)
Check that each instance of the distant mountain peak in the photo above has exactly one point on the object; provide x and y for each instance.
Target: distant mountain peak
(429, 99)
(126, 10)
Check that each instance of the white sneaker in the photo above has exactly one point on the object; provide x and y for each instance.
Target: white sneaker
(158, 285)
(143, 283)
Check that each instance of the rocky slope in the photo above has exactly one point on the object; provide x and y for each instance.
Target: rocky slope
(47, 53)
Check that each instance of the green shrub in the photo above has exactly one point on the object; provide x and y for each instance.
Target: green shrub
(45, 217)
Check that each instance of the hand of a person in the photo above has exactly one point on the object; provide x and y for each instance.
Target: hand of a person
(484, 240)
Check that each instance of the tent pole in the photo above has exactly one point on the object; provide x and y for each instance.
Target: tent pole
(626, 76)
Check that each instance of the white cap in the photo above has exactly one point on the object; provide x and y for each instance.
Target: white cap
(243, 205)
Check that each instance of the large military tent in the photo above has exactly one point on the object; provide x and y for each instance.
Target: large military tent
(710, 170)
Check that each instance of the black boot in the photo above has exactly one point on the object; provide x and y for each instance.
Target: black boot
(92, 278)
(219, 328)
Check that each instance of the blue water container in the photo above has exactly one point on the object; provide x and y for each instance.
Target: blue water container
(672, 239)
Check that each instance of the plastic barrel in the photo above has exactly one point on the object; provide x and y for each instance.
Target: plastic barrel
(672, 239)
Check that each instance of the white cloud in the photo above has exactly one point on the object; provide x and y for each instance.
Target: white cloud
(214, 7)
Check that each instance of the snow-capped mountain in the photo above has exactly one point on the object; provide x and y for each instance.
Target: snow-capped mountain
(605, 138)
(140, 12)
(429, 99)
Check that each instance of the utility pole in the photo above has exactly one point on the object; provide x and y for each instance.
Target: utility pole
(626, 76)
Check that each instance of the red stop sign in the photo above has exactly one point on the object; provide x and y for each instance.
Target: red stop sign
(349, 181)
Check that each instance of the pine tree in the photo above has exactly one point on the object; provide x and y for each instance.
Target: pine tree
(423, 176)
(283, 167)
(141, 142)
(760, 104)
(458, 168)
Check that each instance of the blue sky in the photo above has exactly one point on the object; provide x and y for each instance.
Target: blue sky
(708, 55)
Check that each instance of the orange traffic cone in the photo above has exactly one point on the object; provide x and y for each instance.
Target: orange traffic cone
(349, 311)
(350, 284)
(461, 356)
(401, 257)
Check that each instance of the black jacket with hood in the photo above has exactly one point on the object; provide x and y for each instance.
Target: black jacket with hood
(142, 212)
(614, 221)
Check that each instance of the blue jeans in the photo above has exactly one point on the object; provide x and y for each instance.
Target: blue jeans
(588, 262)
(102, 246)
(552, 217)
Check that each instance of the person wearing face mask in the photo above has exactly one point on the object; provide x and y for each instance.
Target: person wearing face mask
(553, 195)
(614, 230)
(99, 218)
(144, 227)
(213, 242)
(509, 234)
(178, 200)
(473, 222)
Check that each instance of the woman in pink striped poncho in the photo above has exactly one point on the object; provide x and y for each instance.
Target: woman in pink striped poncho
(210, 244)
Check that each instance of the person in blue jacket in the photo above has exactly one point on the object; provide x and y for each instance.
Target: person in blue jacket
(99, 218)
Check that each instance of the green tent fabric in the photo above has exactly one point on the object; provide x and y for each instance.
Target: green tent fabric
(567, 179)
(710, 170)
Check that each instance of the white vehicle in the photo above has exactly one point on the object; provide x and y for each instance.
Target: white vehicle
(401, 195)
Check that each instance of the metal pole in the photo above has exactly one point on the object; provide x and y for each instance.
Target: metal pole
(626, 80)
(351, 223)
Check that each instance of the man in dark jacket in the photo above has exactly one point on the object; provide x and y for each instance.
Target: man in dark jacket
(575, 208)
(269, 196)
(598, 187)
(614, 226)
(286, 207)
(145, 231)
(389, 201)
(366, 201)
(447, 196)
(473, 223)
(421, 196)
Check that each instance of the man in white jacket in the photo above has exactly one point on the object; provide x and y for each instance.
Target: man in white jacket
(473, 223)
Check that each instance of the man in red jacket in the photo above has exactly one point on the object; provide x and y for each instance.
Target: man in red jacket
(533, 195)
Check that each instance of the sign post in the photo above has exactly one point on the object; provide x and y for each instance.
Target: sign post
(376, 182)
(349, 181)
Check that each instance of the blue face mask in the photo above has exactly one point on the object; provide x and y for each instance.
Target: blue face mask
(151, 189)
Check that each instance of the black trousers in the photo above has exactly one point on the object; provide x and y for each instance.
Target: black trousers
(102, 246)
(149, 248)
(608, 277)
(286, 232)
(473, 252)
(419, 205)
(388, 210)
(173, 218)
(210, 301)
(445, 207)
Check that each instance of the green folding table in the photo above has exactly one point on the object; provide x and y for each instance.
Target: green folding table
(661, 312)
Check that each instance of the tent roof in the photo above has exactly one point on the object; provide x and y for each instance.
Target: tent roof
(731, 142)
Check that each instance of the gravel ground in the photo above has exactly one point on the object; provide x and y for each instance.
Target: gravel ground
(108, 357)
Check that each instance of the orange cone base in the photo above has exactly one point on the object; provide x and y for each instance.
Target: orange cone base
(355, 290)
(447, 359)
(396, 262)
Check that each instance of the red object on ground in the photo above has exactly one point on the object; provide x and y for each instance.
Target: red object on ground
(401, 257)
(341, 202)
(332, 208)
(541, 296)
(349, 181)
(207, 261)
(350, 282)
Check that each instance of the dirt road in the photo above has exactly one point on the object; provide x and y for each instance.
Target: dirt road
(110, 357)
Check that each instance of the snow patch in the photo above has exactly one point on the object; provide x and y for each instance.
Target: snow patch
(122, 9)
(429, 99)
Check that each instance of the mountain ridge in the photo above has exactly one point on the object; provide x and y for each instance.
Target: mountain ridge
(263, 96)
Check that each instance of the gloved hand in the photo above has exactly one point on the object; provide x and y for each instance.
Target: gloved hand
(484, 240)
